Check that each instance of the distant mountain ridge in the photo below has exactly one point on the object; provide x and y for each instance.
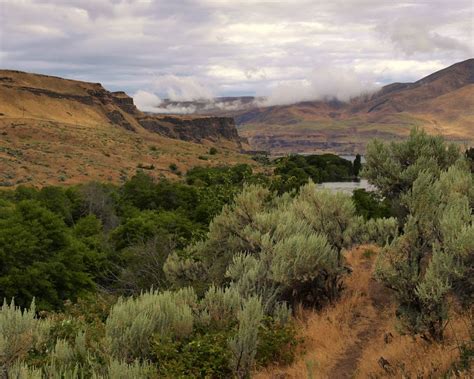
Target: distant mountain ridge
(442, 103)
(103, 106)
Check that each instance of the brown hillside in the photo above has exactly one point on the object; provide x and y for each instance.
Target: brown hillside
(442, 103)
(57, 130)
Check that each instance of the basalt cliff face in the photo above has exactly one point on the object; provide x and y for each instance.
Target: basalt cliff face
(56, 99)
(58, 130)
(192, 128)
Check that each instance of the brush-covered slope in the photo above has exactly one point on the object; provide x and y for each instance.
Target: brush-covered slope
(442, 103)
(57, 130)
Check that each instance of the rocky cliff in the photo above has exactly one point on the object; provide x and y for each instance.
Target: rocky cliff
(192, 128)
(69, 101)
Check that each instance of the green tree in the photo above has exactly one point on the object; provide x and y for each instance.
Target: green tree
(40, 258)
(357, 165)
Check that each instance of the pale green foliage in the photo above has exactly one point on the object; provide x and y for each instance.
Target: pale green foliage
(434, 252)
(394, 167)
(21, 370)
(122, 370)
(182, 272)
(328, 213)
(244, 344)
(237, 228)
(63, 353)
(378, 230)
(221, 305)
(113, 370)
(250, 276)
(281, 313)
(133, 321)
(281, 248)
(20, 331)
(294, 259)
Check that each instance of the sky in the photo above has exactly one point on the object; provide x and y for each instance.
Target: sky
(286, 51)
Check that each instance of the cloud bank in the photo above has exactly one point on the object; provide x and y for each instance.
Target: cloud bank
(325, 83)
(187, 50)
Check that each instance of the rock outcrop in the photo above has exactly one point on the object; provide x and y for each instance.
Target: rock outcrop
(46, 97)
(192, 128)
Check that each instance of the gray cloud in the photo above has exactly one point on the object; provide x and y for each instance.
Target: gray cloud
(195, 49)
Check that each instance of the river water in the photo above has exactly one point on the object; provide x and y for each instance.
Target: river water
(348, 187)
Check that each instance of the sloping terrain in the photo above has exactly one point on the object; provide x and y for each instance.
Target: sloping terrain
(55, 130)
(442, 103)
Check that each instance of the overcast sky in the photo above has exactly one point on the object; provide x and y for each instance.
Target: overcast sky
(287, 50)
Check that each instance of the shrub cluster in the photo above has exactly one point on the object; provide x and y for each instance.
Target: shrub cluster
(434, 187)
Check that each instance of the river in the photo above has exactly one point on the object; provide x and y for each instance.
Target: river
(348, 187)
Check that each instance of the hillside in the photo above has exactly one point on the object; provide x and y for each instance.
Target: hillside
(442, 103)
(57, 130)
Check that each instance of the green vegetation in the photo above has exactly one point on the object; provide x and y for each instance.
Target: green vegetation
(199, 277)
(294, 171)
(432, 184)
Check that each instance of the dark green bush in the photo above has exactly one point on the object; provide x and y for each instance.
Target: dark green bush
(295, 170)
(370, 204)
(277, 343)
(204, 355)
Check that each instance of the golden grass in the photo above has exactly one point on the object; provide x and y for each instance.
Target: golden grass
(43, 153)
(329, 332)
(413, 357)
(56, 139)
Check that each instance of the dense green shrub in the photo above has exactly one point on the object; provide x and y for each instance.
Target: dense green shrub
(39, 256)
(393, 167)
(202, 355)
(277, 343)
(148, 224)
(244, 344)
(20, 332)
(279, 248)
(371, 204)
(295, 170)
(141, 265)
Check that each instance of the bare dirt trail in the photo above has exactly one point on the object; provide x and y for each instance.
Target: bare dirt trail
(371, 327)
(336, 338)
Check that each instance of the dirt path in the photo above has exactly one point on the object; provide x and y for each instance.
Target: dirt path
(372, 328)
(338, 337)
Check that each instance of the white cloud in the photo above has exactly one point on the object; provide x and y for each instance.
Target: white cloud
(181, 88)
(146, 101)
(323, 83)
(186, 50)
